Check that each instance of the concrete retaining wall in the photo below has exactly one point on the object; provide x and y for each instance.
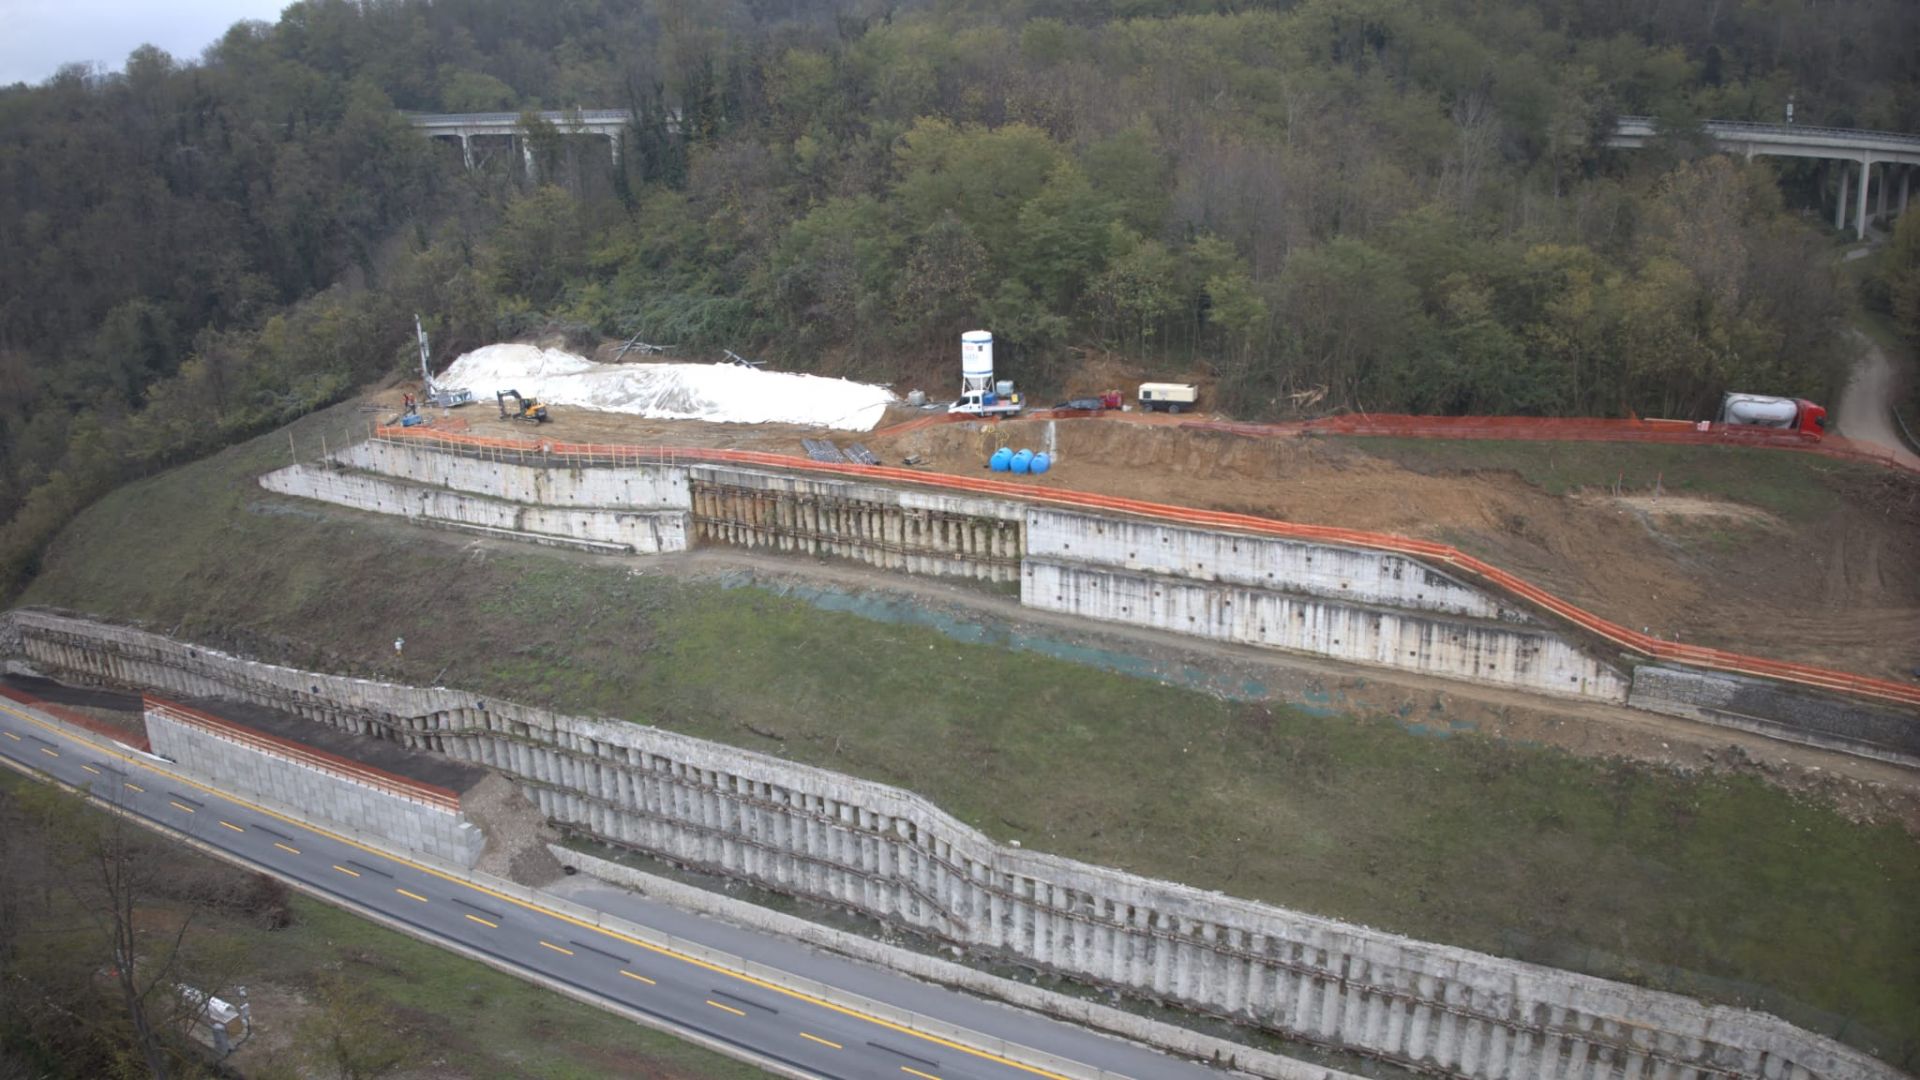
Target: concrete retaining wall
(918, 532)
(1770, 709)
(1349, 575)
(636, 487)
(244, 770)
(894, 856)
(643, 531)
(1490, 652)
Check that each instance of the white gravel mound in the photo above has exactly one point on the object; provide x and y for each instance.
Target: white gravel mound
(720, 393)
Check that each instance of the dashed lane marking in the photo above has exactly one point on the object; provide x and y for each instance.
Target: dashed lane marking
(180, 805)
(917, 1072)
(411, 895)
(725, 1008)
(344, 870)
(485, 922)
(748, 1002)
(50, 753)
(558, 948)
(658, 950)
(285, 848)
(821, 1041)
(11, 735)
(613, 956)
(131, 786)
(638, 978)
(91, 769)
(232, 826)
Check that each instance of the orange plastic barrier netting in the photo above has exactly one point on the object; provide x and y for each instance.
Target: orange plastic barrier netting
(1630, 640)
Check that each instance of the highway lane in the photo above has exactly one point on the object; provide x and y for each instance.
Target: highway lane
(803, 1035)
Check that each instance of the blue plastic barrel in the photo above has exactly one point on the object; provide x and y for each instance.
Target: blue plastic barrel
(1041, 463)
(412, 420)
(1000, 460)
(1022, 461)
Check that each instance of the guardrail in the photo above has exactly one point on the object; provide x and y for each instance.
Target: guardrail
(1905, 139)
(319, 760)
(1630, 640)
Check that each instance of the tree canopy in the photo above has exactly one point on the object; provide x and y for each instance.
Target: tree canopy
(1382, 204)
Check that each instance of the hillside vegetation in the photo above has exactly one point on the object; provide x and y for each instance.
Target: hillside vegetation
(1369, 203)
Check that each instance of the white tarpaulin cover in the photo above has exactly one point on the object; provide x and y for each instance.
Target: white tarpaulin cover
(722, 393)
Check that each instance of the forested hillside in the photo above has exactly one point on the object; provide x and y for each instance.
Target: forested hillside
(1385, 204)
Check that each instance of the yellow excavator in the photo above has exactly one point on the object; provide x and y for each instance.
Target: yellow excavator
(522, 408)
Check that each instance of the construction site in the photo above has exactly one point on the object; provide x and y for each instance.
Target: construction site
(1587, 630)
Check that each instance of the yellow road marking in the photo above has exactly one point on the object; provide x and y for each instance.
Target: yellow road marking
(411, 895)
(232, 826)
(821, 1041)
(917, 1072)
(557, 948)
(12, 736)
(91, 769)
(638, 978)
(50, 753)
(132, 787)
(658, 950)
(484, 922)
(182, 806)
(285, 848)
(344, 870)
(725, 1008)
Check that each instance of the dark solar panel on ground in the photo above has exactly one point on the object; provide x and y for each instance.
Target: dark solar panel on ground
(823, 451)
(860, 455)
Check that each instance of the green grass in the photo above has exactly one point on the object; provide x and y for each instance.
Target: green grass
(1797, 487)
(1712, 884)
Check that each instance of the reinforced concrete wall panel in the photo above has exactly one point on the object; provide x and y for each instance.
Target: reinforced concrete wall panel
(1454, 647)
(646, 532)
(1350, 574)
(252, 773)
(640, 486)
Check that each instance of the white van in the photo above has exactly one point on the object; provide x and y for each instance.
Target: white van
(1168, 396)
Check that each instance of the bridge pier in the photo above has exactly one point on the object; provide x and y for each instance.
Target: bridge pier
(1840, 203)
(1906, 174)
(466, 150)
(1860, 217)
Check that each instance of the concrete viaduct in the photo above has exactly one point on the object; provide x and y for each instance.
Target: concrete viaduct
(610, 123)
(1893, 153)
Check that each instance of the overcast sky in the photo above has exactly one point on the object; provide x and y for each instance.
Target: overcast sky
(38, 36)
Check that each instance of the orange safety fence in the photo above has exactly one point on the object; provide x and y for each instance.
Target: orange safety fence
(1631, 640)
(301, 754)
(137, 740)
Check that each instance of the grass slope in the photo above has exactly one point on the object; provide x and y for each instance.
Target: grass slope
(1606, 867)
(1796, 487)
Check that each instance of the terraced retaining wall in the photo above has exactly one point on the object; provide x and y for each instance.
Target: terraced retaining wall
(645, 532)
(1365, 607)
(253, 767)
(894, 856)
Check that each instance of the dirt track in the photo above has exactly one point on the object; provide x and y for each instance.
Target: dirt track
(1865, 409)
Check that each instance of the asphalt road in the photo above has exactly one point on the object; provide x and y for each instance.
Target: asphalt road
(790, 1030)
